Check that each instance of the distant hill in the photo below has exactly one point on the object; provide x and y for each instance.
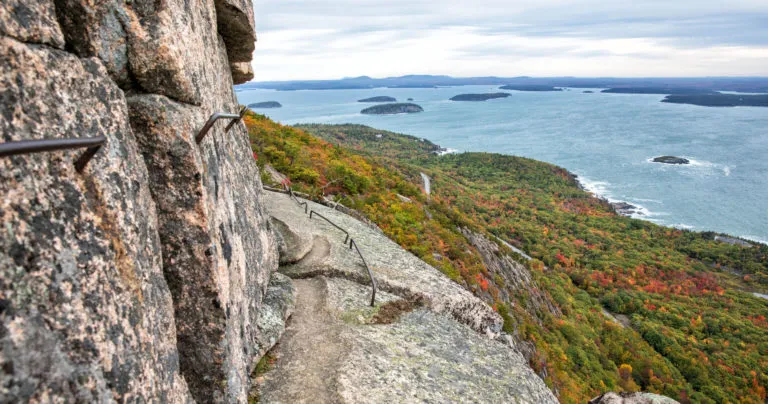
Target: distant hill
(658, 90)
(719, 100)
(532, 87)
(378, 99)
(741, 84)
(479, 97)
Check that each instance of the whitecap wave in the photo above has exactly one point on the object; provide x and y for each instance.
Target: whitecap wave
(683, 226)
(756, 239)
(601, 189)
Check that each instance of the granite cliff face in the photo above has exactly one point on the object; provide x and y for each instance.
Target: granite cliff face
(143, 277)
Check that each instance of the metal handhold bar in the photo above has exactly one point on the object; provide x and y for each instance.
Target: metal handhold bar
(243, 110)
(215, 117)
(45, 145)
(370, 273)
(312, 212)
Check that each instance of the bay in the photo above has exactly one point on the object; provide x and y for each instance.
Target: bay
(608, 140)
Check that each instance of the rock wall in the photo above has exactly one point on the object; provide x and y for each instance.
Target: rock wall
(141, 278)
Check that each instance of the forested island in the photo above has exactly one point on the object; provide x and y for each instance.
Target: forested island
(390, 109)
(719, 100)
(529, 87)
(658, 90)
(266, 104)
(479, 97)
(382, 98)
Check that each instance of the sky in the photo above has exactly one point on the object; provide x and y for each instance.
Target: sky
(319, 39)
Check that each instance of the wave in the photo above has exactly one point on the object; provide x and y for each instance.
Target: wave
(756, 239)
(601, 189)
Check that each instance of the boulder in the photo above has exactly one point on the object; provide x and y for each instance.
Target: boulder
(671, 160)
(632, 398)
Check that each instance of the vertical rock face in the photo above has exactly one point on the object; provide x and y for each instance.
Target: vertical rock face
(145, 274)
(85, 313)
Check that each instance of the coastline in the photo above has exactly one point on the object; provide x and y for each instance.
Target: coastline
(637, 211)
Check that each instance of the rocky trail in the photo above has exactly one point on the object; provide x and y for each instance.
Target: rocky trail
(309, 353)
(426, 339)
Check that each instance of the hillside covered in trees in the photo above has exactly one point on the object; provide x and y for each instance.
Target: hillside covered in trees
(696, 333)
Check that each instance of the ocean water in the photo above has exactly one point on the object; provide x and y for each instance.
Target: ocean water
(608, 140)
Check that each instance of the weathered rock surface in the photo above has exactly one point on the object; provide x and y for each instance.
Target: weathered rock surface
(395, 270)
(335, 351)
(514, 274)
(31, 21)
(155, 274)
(632, 398)
(279, 303)
(85, 312)
(516, 280)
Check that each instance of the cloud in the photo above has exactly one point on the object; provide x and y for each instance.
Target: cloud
(312, 39)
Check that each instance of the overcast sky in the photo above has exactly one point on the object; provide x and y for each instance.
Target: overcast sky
(318, 39)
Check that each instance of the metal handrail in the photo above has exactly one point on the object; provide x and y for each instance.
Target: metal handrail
(311, 212)
(347, 239)
(370, 273)
(306, 205)
(45, 145)
(215, 117)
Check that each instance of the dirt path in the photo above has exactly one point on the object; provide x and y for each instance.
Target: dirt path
(309, 353)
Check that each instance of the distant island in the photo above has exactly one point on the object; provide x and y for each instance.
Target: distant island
(479, 97)
(588, 92)
(719, 100)
(530, 87)
(381, 98)
(267, 104)
(390, 109)
(671, 160)
(658, 90)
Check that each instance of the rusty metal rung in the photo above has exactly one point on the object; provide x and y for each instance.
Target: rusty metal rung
(46, 145)
(215, 117)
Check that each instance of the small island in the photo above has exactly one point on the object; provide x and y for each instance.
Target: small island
(530, 87)
(381, 98)
(391, 109)
(267, 104)
(671, 160)
(588, 92)
(658, 90)
(719, 100)
(479, 97)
